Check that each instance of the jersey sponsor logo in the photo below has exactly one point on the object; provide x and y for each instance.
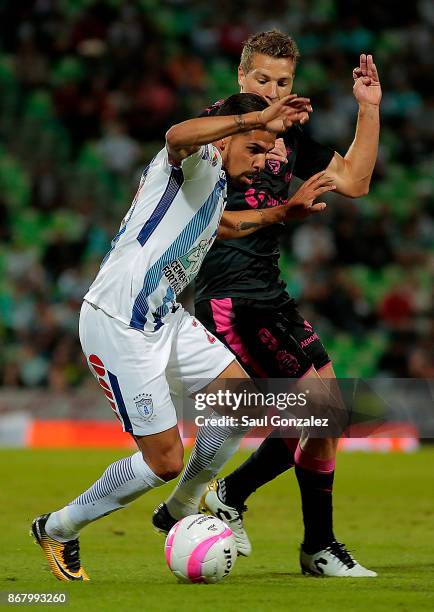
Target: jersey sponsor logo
(260, 199)
(144, 405)
(307, 341)
(254, 198)
(180, 272)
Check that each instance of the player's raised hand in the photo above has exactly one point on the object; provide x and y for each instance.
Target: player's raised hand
(279, 152)
(367, 88)
(302, 203)
(281, 115)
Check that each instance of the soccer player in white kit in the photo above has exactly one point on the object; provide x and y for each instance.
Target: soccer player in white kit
(138, 341)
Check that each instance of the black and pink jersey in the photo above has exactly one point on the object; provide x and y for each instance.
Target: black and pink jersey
(248, 267)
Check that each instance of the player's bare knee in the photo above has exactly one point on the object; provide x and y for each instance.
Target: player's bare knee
(167, 466)
(169, 470)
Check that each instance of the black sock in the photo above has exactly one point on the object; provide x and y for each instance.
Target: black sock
(317, 503)
(272, 458)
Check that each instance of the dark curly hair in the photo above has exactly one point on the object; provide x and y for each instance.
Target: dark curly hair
(241, 103)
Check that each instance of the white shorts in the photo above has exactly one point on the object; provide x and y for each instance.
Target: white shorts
(139, 371)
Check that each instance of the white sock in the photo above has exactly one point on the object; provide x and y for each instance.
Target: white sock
(122, 482)
(213, 448)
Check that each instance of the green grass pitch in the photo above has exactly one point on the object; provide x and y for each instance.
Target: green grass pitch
(384, 511)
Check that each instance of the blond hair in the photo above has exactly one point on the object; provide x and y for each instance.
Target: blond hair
(272, 43)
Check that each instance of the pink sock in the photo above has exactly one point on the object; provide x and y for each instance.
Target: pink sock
(313, 464)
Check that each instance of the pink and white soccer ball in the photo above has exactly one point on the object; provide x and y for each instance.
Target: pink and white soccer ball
(200, 548)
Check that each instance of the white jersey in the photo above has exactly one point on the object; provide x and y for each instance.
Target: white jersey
(162, 240)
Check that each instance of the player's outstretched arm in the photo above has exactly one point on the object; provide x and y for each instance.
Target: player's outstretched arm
(239, 223)
(184, 139)
(352, 173)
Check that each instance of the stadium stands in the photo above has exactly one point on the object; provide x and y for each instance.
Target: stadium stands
(87, 90)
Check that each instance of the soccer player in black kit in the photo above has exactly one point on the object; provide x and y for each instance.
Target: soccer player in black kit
(241, 300)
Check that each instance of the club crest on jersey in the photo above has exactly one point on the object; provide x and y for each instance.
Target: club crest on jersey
(274, 165)
(144, 405)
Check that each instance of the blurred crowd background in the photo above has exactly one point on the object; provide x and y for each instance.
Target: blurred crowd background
(87, 90)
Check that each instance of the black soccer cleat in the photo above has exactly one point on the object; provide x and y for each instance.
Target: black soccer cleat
(162, 520)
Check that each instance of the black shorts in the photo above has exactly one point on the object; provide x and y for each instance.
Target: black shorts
(269, 340)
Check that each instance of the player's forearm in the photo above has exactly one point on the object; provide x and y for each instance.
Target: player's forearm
(237, 224)
(362, 154)
(204, 130)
